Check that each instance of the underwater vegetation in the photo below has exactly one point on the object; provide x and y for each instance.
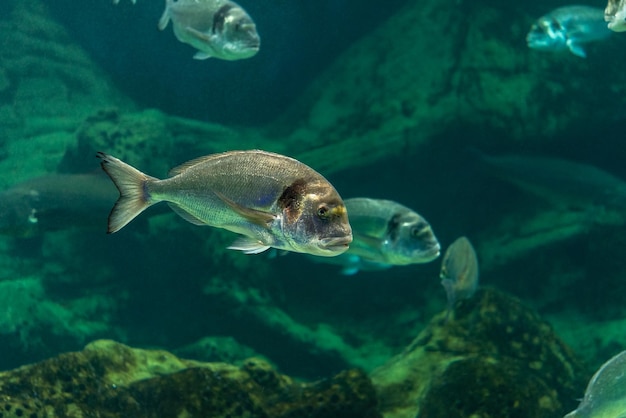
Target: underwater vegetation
(367, 115)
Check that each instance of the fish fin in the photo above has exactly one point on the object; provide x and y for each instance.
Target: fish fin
(131, 183)
(349, 271)
(187, 165)
(576, 49)
(201, 55)
(248, 245)
(185, 215)
(165, 17)
(198, 35)
(258, 217)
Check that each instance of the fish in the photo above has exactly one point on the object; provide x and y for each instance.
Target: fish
(615, 15)
(385, 234)
(560, 181)
(271, 200)
(459, 271)
(216, 28)
(568, 28)
(605, 396)
(54, 202)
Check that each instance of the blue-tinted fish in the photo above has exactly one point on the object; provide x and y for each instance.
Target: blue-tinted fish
(216, 28)
(568, 28)
(558, 180)
(55, 201)
(605, 396)
(459, 271)
(272, 200)
(385, 234)
(615, 15)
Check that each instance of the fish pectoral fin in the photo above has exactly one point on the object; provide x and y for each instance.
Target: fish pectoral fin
(248, 245)
(576, 49)
(201, 55)
(258, 217)
(185, 215)
(198, 35)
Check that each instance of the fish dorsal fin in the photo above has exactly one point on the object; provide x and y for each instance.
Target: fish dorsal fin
(185, 166)
(185, 215)
(258, 217)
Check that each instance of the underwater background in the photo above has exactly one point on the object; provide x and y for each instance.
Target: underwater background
(410, 100)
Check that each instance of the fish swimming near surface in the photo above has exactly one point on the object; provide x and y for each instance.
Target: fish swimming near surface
(55, 201)
(216, 28)
(605, 396)
(615, 15)
(557, 180)
(272, 200)
(385, 234)
(568, 28)
(459, 271)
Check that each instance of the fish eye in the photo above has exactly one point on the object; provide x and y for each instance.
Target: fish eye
(418, 231)
(323, 212)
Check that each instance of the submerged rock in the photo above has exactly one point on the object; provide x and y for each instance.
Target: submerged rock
(493, 358)
(108, 379)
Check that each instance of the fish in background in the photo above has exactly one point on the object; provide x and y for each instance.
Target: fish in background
(615, 15)
(272, 200)
(568, 28)
(216, 28)
(385, 234)
(53, 202)
(459, 271)
(558, 180)
(605, 396)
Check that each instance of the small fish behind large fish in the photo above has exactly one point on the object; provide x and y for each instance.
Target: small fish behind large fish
(568, 28)
(270, 199)
(386, 234)
(216, 28)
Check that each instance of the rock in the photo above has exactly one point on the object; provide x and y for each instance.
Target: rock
(493, 358)
(108, 379)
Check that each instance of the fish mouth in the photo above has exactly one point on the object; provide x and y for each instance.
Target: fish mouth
(433, 252)
(336, 244)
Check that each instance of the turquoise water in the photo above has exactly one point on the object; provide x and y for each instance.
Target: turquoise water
(385, 100)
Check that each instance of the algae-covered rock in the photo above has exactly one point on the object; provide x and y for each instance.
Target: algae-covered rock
(494, 358)
(108, 379)
(433, 70)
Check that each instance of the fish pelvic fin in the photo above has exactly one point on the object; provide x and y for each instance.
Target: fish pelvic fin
(165, 17)
(576, 49)
(131, 183)
(248, 245)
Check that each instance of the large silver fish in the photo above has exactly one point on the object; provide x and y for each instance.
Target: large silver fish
(272, 200)
(615, 15)
(55, 201)
(216, 28)
(568, 28)
(385, 234)
(605, 396)
(459, 271)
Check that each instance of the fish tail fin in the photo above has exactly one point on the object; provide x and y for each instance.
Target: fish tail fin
(165, 17)
(131, 183)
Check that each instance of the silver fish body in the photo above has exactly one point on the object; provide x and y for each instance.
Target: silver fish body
(605, 395)
(568, 28)
(459, 271)
(216, 28)
(272, 200)
(385, 234)
(615, 15)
